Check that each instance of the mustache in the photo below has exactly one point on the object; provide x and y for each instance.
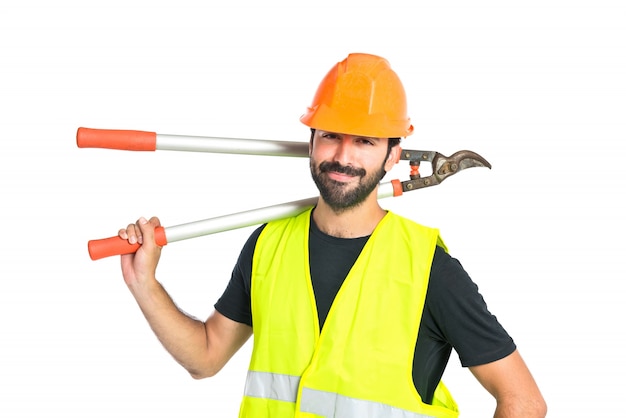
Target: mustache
(335, 166)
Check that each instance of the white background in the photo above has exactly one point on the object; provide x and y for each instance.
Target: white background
(537, 87)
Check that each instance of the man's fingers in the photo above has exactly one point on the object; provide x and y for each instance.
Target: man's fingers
(143, 229)
(134, 233)
(130, 233)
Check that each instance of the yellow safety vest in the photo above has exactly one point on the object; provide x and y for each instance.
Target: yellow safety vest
(360, 365)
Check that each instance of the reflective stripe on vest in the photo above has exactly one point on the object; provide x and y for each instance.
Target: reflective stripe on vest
(282, 387)
(329, 405)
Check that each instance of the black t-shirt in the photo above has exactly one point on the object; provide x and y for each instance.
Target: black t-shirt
(454, 316)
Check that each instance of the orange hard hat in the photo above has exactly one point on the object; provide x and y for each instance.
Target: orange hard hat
(360, 95)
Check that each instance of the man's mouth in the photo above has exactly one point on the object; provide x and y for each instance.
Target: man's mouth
(340, 173)
(339, 177)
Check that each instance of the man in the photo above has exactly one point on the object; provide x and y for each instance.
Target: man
(355, 310)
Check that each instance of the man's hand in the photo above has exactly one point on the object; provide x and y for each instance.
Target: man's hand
(140, 267)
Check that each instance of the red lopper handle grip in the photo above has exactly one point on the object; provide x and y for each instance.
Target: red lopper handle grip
(107, 247)
(116, 139)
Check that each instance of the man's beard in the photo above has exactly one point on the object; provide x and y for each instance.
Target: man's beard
(337, 194)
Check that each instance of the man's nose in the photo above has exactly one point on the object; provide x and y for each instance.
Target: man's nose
(344, 151)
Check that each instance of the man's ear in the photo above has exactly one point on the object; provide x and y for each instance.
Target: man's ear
(394, 157)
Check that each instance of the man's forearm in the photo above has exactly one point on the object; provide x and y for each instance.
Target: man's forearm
(182, 336)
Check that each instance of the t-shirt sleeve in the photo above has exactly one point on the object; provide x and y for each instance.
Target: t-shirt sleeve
(235, 302)
(461, 315)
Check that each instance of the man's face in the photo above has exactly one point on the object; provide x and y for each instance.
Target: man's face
(347, 168)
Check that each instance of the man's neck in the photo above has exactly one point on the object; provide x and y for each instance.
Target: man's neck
(355, 222)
